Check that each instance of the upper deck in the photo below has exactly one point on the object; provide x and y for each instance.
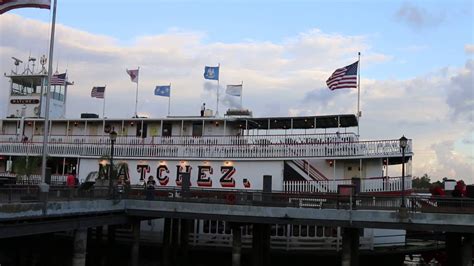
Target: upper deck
(215, 147)
(198, 137)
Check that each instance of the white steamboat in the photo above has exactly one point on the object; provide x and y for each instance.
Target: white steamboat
(304, 154)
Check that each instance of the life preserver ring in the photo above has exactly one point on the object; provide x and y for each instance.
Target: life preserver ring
(230, 199)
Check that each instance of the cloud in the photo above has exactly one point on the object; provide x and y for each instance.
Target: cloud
(460, 92)
(414, 48)
(469, 48)
(417, 17)
(452, 163)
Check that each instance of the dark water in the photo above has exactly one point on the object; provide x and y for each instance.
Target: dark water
(51, 250)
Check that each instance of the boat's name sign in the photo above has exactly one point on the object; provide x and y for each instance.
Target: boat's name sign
(24, 101)
(203, 177)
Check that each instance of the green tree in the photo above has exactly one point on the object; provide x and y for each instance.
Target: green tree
(421, 182)
(26, 166)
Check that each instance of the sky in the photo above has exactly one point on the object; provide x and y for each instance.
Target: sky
(417, 63)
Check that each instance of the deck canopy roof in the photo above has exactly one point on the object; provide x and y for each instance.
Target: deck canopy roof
(300, 122)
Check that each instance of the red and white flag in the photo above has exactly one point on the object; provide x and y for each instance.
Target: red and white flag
(133, 73)
(6, 5)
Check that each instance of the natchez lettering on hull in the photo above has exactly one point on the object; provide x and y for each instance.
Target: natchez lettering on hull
(204, 174)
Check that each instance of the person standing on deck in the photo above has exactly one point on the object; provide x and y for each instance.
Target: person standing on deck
(203, 108)
(71, 183)
(150, 188)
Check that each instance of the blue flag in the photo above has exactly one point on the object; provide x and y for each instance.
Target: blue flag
(163, 91)
(211, 73)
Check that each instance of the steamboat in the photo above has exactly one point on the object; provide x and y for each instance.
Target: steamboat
(239, 152)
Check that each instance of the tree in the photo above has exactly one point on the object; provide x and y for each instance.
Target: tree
(26, 166)
(421, 182)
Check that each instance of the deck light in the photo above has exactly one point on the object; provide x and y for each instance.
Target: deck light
(113, 138)
(403, 145)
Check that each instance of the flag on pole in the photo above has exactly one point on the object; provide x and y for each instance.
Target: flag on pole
(7, 5)
(98, 92)
(234, 90)
(211, 73)
(58, 79)
(163, 91)
(344, 77)
(133, 73)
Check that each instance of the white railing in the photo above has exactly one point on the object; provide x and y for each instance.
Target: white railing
(35, 179)
(290, 146)
(330, 186)
(385, 184)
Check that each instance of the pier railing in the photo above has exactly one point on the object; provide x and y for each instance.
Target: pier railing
(414, 203)
(227, 147)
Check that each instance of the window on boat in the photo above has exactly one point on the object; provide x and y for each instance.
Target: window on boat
(197, 129)
(166, 130)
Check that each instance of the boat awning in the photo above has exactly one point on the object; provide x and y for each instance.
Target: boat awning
(306, 122)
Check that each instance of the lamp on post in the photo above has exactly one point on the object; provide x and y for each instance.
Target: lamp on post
(403, 145)
(113, 137)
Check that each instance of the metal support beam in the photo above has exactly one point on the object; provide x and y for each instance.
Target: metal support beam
(166, 242)
(454, 248)
(350, 247)
(135, 244)
(236, 244)
(261, 245)
(80, 247)
(467, 247)
(184, 239)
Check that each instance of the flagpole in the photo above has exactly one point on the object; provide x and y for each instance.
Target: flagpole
(358, 97)
(103, 104)
(241, 92)
(48, 95)
(218, 76)
(169, 101)
(136, 95)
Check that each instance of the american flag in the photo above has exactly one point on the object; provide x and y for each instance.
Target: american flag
(6, 5)
(58, 79)
(98, 92)
(344, 77)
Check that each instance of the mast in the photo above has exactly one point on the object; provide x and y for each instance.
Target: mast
(358, 96)
(48, 95)
(217, 106)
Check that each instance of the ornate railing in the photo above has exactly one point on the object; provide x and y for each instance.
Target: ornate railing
(258, 147)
